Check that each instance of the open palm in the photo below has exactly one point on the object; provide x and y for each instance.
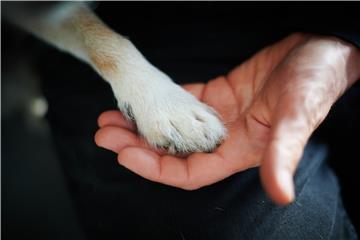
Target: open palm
(270, 105)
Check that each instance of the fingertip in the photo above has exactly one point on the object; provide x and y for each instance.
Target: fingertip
(286, 184)
(104, 138)
(115, 118)
(115, 138)
(99, 137)
(278, 184)
(104, 117)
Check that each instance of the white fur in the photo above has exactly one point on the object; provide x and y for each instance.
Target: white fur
(166, 115)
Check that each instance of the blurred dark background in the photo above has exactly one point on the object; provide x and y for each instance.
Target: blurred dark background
(190, 42)
(35, 199)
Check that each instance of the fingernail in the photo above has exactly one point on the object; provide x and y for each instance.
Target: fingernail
(287, 185)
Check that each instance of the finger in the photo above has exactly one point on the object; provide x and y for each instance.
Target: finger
(116, 138)
(150, 165)
(195, 89)
(289, 135)
(114, 118)
(219, 95)
(198, 170)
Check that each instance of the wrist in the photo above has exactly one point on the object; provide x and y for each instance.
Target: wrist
(114, 55)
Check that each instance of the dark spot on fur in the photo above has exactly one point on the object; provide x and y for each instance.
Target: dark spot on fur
(177, 150)
(206, 136)
(163, 146)
(219, 142)
(199, 118)
(129, 112)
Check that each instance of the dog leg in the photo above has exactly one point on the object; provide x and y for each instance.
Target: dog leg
(166, 115)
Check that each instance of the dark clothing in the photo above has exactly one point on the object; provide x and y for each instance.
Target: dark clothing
(192, 43)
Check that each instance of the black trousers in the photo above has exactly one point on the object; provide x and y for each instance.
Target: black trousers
(113, 203)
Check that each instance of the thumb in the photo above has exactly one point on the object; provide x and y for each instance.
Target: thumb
(289, 134)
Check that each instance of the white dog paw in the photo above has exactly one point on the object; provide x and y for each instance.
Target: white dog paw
(170, 118)
(178, 127)
(166, 115)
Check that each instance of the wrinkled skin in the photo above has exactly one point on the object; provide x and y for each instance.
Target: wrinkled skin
(270, 104)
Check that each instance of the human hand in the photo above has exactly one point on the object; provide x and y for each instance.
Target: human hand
(270, 105)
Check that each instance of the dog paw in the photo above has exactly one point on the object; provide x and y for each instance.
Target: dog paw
(165, 114)
(168, 117)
